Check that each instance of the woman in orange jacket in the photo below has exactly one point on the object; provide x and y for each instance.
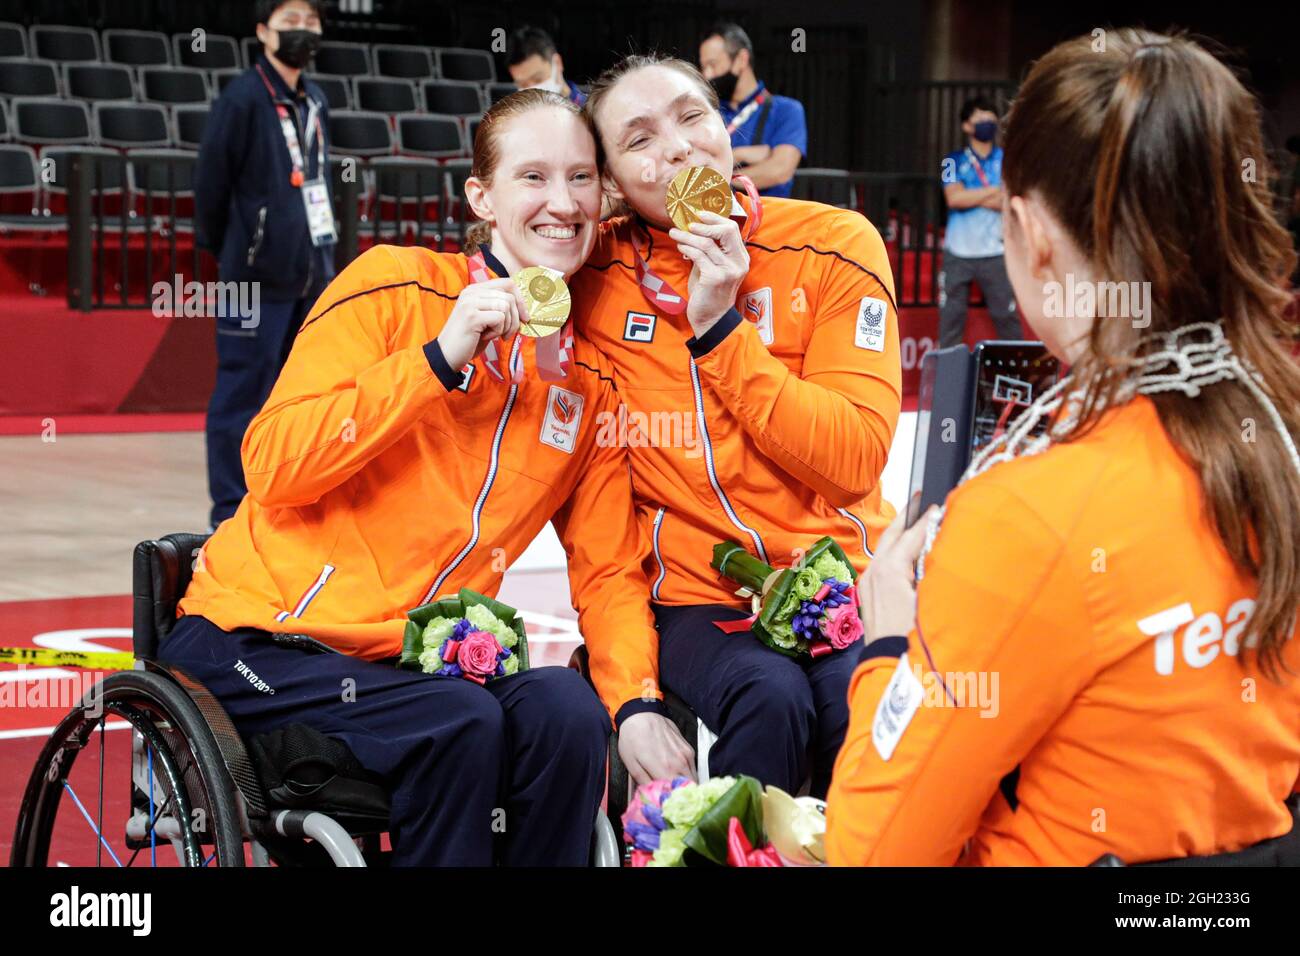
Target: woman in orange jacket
(397, 462)
(1100, 657)
(761, 381)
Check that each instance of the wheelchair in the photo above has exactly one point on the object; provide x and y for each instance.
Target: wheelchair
(192, 785)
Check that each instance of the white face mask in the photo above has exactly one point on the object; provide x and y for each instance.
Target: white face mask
(554, 84)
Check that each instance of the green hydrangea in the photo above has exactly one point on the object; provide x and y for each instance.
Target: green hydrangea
(685, 806)
(485, 620)
(716, 788)
(672, 844)
(431, 659)
(438, 630)
(511, 665)
(829, 566)
(804, 584)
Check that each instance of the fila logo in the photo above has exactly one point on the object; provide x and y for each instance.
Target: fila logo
(756, 307)
(466, 376)
(563, 418)
(1203, 637)
(639, 327)
(870, 330)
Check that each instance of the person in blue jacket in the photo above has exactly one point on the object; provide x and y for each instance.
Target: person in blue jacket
(262, 206)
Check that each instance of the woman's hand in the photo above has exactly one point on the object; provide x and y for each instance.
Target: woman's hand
(719, 264)
(888, 589)
(484, 311)
(652, 748)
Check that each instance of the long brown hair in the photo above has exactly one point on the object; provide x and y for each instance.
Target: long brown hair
(1144, 150)
(487, 149)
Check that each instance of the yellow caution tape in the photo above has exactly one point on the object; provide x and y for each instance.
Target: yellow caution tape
(44, 657)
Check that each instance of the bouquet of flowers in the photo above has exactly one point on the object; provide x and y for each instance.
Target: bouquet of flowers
(725, 821)
(811, 608)
(470, 636)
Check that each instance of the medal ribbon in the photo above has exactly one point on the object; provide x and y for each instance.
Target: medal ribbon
(658, 292)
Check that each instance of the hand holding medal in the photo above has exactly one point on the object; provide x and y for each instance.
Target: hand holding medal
(700, 202)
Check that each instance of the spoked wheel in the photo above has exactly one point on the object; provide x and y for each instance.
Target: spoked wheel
(130, 777)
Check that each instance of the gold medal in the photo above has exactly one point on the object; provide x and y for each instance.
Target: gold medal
(547, 298)
(695, 189)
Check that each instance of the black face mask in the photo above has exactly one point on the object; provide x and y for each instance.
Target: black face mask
(297, 47)
(724, 86)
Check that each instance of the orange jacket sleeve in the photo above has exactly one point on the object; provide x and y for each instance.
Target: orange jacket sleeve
(343, 396)
(995, 608)
(831, 426)
(605, 546)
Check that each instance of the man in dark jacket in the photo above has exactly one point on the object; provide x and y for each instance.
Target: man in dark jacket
(262, 196)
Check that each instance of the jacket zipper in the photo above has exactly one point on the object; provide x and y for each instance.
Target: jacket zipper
(862, 529)
(493, 462)
(713, 475)
(659, 558)
(257, 236)
(308, 596)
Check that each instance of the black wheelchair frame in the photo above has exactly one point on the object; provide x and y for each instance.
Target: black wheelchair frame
(203, 764)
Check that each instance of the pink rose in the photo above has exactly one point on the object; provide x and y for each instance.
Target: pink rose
(842, 626)
(478, 654)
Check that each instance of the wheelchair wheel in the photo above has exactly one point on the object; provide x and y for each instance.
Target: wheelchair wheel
(131, 774)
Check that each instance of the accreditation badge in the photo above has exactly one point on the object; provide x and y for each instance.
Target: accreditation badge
(320, 214)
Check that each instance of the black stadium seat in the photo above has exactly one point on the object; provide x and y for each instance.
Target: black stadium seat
(188, 129)
(385, 95)
(338, 94)
(65, 44)
(432, 136)
(174, 86)
(354, 133)
(460, 64)
(98, 81)
(4, 122)
(499, 91)
(19, 177)
(13, 40)
(403, 62)
(138, 125)
(452, 97)
(343, 59)
(28, 78)
(136, 48)
(471, 130)
(111, 178)
(218, 53)
(251, 48)
(220, 79)
(41, 120)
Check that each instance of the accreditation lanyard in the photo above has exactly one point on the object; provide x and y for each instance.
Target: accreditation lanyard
(289, 127)
(743, 116)
(979, 170)
(658, 292)
(554, 352)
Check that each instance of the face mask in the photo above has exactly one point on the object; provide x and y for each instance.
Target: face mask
(297, 47)
(724, 86)
(553, 85)
(985, 130)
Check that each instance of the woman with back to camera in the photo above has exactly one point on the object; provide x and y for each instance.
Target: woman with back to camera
(1126, 586)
